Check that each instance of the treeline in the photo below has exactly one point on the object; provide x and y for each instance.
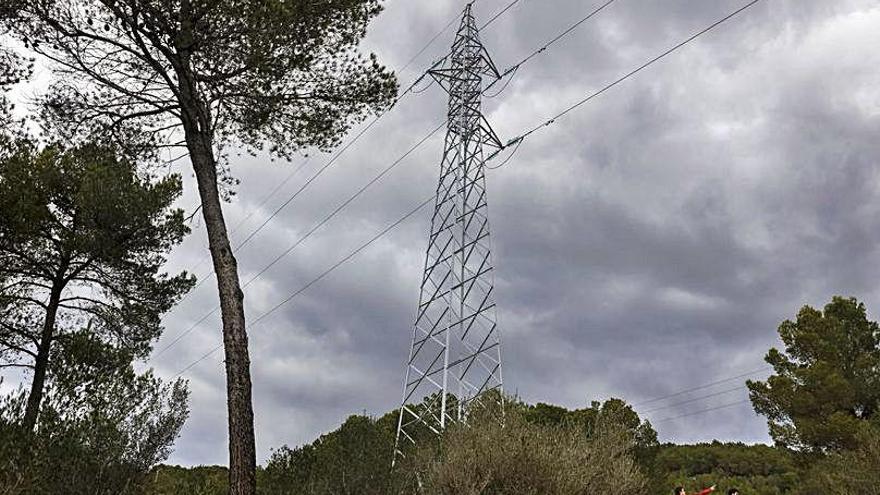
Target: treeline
(526, 449)
(752, 469)
(537, 452)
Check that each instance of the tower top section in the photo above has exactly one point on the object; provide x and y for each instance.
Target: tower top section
(468, 54)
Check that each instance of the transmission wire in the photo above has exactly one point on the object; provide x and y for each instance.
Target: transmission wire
(498, 14)
(315, 280)
(703, 411)
(308, 234)
(630, 74)
(702, 387)
(696, 399)
(241, 222)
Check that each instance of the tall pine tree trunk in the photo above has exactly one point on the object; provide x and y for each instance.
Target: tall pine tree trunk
(41, 363)
(195, 116)
(242, 451)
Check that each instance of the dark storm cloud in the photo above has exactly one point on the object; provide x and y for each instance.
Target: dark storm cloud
(649, 242)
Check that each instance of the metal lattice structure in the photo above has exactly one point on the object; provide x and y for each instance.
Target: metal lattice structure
(455, 358)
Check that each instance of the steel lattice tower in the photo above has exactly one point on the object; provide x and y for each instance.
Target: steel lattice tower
(455, 356)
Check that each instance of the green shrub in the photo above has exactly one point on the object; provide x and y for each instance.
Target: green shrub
(855, 472)
(520, 457)
(101, 429)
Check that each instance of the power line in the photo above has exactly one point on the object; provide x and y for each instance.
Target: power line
(185, 333)
(308, 234)
(269, 196)
(345, 259)
(309, 181)
(241, 222)
(429, 43)
(498, 14)
(512, 70)
(703, 411)
(565, 33)
(702, 387)
(630, 74)
(315, 280)
(197, 361)
(696, 399)
(345, 203)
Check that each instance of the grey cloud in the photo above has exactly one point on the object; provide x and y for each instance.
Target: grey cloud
(649, 242)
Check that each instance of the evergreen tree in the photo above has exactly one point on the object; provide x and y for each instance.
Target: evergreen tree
(826, 383)
(83, 238)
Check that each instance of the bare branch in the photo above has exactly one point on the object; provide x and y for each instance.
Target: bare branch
(26, 299)
(17, 365)
(15, 347)
(19, 332)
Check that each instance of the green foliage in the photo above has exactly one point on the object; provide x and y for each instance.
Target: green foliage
(13, 67)
(101, 429)
(641, 433)
(557, 455)
(354, 459)
(84, 218)
(12, 70)
(95, 387)
(753, 469)
(540, 448)
(271, 75)
(199, 480)
(826, 383)
(83, 238)
(520, 456)
(855, 472)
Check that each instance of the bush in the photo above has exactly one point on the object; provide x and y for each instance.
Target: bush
(101, 428)
(354, 459)
(524, 457)
(198, 480)
(753, 469)
(855, 472)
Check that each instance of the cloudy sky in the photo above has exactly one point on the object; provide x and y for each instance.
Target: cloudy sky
(647, 243)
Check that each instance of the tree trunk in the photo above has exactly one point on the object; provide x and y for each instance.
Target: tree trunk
(242, 451)
(195, 115)
(41, 363)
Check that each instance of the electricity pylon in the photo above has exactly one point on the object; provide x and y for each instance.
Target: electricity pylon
(455, 358)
